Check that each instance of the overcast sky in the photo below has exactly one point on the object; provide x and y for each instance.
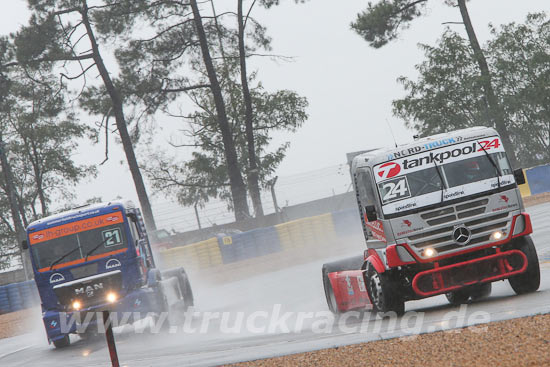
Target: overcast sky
(349, 85)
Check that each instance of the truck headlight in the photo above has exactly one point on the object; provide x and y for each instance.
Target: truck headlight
(112, 297)
(77, 305)
(497, 235)
(430, 252)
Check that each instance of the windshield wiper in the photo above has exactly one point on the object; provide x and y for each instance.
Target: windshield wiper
(440, 179)
(95, 248)
(493, 163)
(62, 257)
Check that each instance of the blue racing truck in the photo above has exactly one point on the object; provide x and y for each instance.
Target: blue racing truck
(97, 258)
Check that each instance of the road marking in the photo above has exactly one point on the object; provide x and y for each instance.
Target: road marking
(15, 351)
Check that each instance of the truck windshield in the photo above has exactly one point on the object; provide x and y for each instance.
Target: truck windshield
(77, 239)
(465, 169)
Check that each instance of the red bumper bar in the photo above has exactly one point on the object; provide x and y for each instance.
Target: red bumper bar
(444, 279)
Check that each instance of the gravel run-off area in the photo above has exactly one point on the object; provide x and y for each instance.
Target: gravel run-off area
(518, 342)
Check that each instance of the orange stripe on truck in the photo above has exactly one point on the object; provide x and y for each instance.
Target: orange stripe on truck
(79, 261)
(75, 227)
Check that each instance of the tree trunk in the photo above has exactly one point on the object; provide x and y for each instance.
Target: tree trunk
(253, 174)
(197, 216)
(238, 189)
(34, 158)
(121, 124)
(494, 107)
(12, 199)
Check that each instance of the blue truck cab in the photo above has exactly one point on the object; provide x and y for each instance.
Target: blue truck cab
(94, 258)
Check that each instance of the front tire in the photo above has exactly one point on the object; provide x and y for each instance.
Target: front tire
(63, 342)
(529, 281)
(383, 292)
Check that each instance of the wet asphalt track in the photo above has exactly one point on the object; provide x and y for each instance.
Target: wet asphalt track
(295, 289)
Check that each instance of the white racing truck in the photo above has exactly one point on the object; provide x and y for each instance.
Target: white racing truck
(442, 215)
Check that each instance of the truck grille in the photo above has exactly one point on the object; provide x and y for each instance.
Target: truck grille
(444, 220)
(452, 213)
(89, 291)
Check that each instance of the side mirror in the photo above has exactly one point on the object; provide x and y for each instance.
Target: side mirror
(519, 176)
(370, 211)
(24, 245)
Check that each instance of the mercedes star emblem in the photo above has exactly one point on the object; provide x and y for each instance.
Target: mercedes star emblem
(461, 235)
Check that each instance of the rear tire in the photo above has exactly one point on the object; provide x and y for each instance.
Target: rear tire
(529, 281)
(63, 342)
(329, 292)
(185, 288)
(383, 292)
(350, 263)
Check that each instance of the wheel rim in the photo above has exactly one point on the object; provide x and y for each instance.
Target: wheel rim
(375, 289)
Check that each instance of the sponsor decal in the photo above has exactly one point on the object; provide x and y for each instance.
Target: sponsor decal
(407, 223)
(112, 263)
(361, 283)
(350, 286)
(79, 215)
(53, 324)
(137, 302)
(56, 278)
(75, 227)
(399, 234)
(455, 194)
(509, 206)
(37, 236)
(424, 147)
(388, 170)
(405, 207)
(440, 157)
(504, 198)
(377, 229)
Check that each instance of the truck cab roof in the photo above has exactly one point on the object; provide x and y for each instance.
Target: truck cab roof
(381, 155)
(80, 212)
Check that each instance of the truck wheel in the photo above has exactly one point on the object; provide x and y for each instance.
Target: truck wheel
(383, 292)
(480, 291)
(459, 297)
(186, 291)
(63, 342)
(529, 281)
(329, 292)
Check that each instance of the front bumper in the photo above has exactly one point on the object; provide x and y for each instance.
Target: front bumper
(135, 305)
(500, 265)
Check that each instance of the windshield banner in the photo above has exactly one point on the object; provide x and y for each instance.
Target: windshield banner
(75, 227)
(394, 178)
(448, 154)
